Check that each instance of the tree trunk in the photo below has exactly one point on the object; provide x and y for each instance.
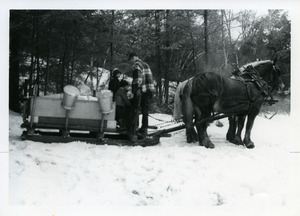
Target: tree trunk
(206, 49)
(224, 42)
(98, 79)
(91, 72)
(158, 57)
(231, 55)
(112, 40)
(14, 68)
(64, 62)
(31, 71)
(37, 57)
(49, 40)
(32, 66)
(73, 58)
(62, 78)
(47, 70)
(193, 45)
(168, 57)
(193, 50)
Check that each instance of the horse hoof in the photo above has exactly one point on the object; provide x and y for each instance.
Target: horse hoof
(250, 145)
(230, 138)
(189, 140)
(195, 139)
(237, 142)
(210, 145)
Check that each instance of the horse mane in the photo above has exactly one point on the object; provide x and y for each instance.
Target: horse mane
(255, 64)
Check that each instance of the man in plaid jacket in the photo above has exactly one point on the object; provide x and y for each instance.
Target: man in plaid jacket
(142, 88)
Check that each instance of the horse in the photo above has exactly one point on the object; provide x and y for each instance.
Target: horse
(212, 93)
(183, 106)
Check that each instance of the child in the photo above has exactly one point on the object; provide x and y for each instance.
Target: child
(114, 83)
(122, 105)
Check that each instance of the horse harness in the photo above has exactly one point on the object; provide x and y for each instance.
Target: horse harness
(255, 78)
(262, 85)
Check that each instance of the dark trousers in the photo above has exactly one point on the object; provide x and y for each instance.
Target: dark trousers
(145, 105)
(123, 115)
(120, 112)
(134, 114)
(140, 102)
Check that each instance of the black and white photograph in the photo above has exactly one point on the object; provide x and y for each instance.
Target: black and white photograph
(164, 109)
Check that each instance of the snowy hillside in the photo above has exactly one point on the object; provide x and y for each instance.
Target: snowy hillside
(171, 173)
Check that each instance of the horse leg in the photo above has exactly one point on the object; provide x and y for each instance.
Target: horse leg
(202, 129)
(188, 116)
(247, 140)
(194, 134)
(207, 142)
(232, 128)
(191, 135)
(237, 138)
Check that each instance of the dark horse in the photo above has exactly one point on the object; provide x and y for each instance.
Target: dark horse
(208, 95)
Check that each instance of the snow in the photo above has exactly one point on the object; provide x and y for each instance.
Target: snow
(173, 173)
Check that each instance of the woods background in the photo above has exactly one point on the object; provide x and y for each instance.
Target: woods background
(53, 48)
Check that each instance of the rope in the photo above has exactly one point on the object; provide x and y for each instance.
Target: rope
(164, 123)
(177, 132)
(160, 119)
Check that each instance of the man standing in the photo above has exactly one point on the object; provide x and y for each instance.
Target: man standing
(142, 88)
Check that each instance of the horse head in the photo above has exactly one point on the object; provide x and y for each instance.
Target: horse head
(272, 76)
(278, 84)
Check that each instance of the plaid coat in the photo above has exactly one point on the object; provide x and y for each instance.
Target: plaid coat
(142, 77)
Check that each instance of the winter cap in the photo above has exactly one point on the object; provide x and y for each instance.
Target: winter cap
(123, 83)
(116, 71)
(131, 55)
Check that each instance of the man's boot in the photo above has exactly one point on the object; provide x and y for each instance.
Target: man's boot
(122, 125)
(142, 133)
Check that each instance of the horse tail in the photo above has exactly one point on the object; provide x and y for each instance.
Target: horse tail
(177, 112)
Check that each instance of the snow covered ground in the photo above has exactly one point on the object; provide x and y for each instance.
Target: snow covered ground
(173, 173)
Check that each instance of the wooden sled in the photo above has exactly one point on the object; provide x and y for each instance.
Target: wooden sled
(47, 120)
